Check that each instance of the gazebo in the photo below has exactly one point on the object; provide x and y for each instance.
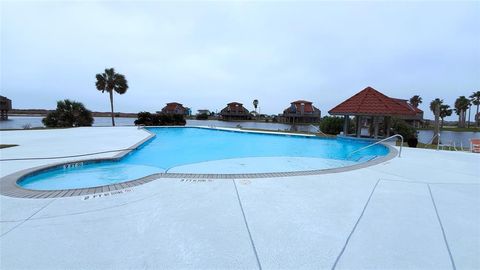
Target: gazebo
(372, 105)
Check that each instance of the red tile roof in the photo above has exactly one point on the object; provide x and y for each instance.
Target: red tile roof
(307, 107)
(236, 106)
(371, 102)
(172, 106)
(302, 101)
(405, 103)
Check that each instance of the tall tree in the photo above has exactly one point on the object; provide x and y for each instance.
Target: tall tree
(444, 112)
(415, 101)
(461, 105)
(475, 99)
(255, 104)
(434, 102)
(435, 108)
(111, 81)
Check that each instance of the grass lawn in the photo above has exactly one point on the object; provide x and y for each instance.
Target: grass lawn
(454, 129)
(430, 146)
(7, 145)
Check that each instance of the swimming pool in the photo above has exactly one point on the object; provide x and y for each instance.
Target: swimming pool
(208, 151)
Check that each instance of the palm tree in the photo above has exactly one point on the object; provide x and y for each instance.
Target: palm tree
(415, 101)
(434, 103)
(69, 114)
(469, 111)
(435, 108)
(255, 104)
(461, 105)
(475, 99)
(444, 112)
(111, 81)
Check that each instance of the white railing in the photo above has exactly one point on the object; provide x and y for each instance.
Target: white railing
(438, 141)
(318, 130)
(375, 143)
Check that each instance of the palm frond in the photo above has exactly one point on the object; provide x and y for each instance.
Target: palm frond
(121, 84)
(111, 81)
(101, 82)
(110, 72)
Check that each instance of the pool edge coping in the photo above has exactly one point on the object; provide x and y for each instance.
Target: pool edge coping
(10, 188)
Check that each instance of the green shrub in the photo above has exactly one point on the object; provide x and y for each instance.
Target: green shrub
(172, 120)
(146, 119)
(69, 114)
(202, 116)
(333, 125)
(149, 119)
(401, 127)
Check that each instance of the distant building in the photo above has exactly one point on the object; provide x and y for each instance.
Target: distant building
(207, 112)
(5, 106)
(175, 108)
(300, 111)
(235, 111)
(188, 111)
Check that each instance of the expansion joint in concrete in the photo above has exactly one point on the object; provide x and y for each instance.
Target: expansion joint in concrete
(441, 226)
(246, 225)
(27, 219)
(355, 226)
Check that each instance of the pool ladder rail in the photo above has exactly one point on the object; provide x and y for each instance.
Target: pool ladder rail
(375, 143)
(318, 130)
(438, 141)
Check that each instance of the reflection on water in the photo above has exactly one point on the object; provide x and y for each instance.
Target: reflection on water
(424, 136)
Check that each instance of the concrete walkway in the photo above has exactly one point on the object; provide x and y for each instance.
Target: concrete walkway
(421, 211)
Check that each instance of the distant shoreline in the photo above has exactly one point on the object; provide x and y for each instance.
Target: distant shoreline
(43, 113)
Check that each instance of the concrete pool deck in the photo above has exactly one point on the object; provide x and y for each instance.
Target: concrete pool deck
(421, 211)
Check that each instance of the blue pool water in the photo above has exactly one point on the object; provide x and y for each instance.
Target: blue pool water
(175, 147)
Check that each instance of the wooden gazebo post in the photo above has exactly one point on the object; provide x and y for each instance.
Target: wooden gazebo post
(386, 120)
(375, 125)
(359, 128)
(345, 124)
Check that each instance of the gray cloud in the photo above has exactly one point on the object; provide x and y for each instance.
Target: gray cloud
(205, 54)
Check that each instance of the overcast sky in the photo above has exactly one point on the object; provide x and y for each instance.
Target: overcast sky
(206, 54)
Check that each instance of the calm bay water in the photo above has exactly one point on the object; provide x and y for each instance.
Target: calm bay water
(424, 136)
(18, 122)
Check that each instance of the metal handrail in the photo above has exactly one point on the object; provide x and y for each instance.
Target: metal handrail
(438, 141)
(318, 130)
(370, 145)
